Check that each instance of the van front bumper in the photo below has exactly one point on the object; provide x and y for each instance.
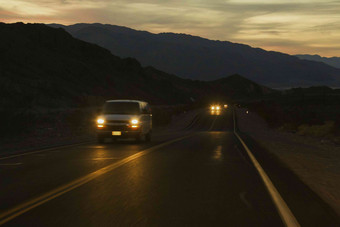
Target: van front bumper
(114, 131)
(109, 134)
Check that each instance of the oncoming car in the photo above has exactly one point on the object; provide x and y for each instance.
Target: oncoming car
(125, 119)
(215, 107)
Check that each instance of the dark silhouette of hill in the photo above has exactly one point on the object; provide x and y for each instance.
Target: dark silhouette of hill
(41, 66)
(202, 59)
(44, 66)
(333, 61)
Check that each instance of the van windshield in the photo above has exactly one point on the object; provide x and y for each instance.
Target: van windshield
(121, 108)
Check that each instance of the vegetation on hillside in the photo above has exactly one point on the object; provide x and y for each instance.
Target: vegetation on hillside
(313, 111)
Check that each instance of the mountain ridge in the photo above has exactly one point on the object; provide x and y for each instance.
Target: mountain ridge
(332, 61)
(195, 57)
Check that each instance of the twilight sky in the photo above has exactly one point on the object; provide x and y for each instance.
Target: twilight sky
(290, 26)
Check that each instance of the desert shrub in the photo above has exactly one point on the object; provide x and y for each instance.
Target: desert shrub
(336, 129)
(271, 112)
(290, 127)
(316, 130)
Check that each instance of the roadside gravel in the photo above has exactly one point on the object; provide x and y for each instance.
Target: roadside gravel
(314, 160)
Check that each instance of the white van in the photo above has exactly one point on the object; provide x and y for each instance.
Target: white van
(125, 119)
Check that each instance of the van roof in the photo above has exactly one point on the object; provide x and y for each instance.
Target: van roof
(123, 100)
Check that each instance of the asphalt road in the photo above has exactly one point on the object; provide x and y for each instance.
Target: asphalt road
(197, 176)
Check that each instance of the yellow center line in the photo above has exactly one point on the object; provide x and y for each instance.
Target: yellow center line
(31, 204)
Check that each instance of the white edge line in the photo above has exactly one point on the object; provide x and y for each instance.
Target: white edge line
(286, 214)
(11, 164)
(44, 150)
(213, 124)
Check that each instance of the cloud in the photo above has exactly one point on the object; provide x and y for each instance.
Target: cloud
(293, 26)
(5, 14)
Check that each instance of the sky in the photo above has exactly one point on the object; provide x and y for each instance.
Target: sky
(289, 26)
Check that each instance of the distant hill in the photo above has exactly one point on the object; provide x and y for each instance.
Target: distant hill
(45, 67)
(333, 61)
(202, 59)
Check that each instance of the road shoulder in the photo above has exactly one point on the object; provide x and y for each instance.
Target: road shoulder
(314, 162)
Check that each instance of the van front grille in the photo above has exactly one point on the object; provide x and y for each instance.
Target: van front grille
(118, 121)
(117, 128)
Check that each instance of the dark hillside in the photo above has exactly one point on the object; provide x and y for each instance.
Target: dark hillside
(43, 66)
(197, 58)
(240, 87)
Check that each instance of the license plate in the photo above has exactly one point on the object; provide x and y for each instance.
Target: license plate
(116, 133)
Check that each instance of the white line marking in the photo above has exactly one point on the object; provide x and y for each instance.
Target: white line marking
(213, 124)
(11, 164)
(244, 199)
(286, 214)
(192, 122)
(31, 204)
(99, 159)
(43, 150)
(195, 120)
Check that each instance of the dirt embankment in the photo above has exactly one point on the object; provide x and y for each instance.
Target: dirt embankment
(315, 161)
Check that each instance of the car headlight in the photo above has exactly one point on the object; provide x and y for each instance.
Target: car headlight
(213, 107)
(134, 121)
(217, 107)
(100, 121)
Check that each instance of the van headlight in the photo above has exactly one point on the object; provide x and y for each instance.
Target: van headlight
(134, 121)
(100, 121)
